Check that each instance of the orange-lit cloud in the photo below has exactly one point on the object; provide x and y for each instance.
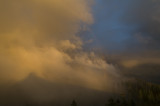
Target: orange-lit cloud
(39, 36)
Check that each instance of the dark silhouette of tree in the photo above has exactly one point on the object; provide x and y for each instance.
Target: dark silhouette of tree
(111, 102)
(74, 103)
(133, 103)
(124, 102)
(118, 103)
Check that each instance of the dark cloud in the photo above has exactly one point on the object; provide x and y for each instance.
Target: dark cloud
(128, 33)
(123, 25)
(145, 16)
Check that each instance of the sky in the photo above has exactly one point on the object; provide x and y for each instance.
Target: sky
(119, 24)
(127, 33)
(76, 47)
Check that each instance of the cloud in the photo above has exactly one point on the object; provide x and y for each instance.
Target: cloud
(127, 33)
(38, 36)
(145, 17)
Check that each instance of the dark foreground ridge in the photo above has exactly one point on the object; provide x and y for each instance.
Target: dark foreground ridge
(35, 91)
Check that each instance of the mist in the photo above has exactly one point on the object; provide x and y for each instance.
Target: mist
(40, 48)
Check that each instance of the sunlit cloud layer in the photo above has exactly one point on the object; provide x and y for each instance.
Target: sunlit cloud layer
(39, 37)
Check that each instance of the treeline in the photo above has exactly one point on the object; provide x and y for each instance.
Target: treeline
(143, 93)
(137, 93)
(120, 102)
(112, 102)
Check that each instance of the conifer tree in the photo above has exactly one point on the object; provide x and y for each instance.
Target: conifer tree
(74, 103)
